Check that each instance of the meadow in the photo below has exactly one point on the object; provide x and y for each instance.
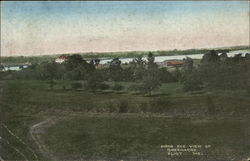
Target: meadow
(109, 124)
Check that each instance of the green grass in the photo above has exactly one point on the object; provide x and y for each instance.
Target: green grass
(134, 138)
(24, 103)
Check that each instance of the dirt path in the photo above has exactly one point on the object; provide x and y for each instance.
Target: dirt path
(20, 140)
(14, 148)
(35, 131)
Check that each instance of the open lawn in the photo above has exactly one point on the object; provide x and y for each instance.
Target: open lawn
(133, 138)
(124, 124)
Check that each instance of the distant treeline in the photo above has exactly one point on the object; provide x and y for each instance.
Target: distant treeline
(214, 72)
(129, 54)
(132, 54)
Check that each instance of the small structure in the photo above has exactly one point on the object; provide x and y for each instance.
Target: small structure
(13, 67)
(175, 63)
(61, 59)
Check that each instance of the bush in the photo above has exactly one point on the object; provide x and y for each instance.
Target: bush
(76, 85)
(117, 87)
(192, 82)
(136, 87)
(123, 106)
(159, 105)
(52, 84)
(211, 110)
(102, 86)
(144, 107)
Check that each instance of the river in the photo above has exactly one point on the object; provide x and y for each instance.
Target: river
(175, 57)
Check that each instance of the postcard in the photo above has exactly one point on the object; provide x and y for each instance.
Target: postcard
(125, 81)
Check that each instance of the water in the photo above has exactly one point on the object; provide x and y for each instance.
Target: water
(14, 68)
(159, 59)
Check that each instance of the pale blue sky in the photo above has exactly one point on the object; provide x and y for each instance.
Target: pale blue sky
(35, 28)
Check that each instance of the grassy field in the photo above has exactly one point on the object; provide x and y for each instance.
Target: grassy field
(123, 124)
(133, 138)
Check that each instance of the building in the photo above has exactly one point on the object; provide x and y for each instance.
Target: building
(13, 67)
(175, 63)
(61, 59)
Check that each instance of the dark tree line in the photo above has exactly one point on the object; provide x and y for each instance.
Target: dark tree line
(217, 72)
(214, 72)
(76, 68)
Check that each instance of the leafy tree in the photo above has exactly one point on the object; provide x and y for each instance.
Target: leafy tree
(192, 82)
(97, 61)
(139, 62)
(74, 61)
(1, 67)
(151, 81)
(188, 65)
(165, 76)
(128, 74)
(78, 68)
(139, 67)
(115, 70)
(77, 60)
(95, 81)
(210, 57)
(223, 56)
(47, 70)
(151, 59)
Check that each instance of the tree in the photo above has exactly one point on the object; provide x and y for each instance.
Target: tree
(139, 67)
(192, 82)
(95, 81)
(47, 70)
(77, 60)
(73, 61)
(151, 59)
(78, 68)
(115, 70)
(139, 62)
(97, 61)
(210, 57)
(151, 81)
(188, 65)
(165, 76)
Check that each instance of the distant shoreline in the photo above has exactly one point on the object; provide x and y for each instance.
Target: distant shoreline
(109, 55)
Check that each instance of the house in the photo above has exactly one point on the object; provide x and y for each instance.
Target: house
(13, 67)
(61, 59)
(175, 63)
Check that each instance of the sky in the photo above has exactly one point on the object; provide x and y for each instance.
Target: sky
(50, 27)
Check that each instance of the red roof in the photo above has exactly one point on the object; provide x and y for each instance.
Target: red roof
(63, 57)
(173, 63)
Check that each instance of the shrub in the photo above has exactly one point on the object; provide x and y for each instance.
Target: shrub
(112, 107)
(123, 106)
(52, 84)
(210, 106)
(103, 86)
(76, 85)
(117, 87)
(192, 82)
(136, 87)
(159, 105)
(144, 107)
